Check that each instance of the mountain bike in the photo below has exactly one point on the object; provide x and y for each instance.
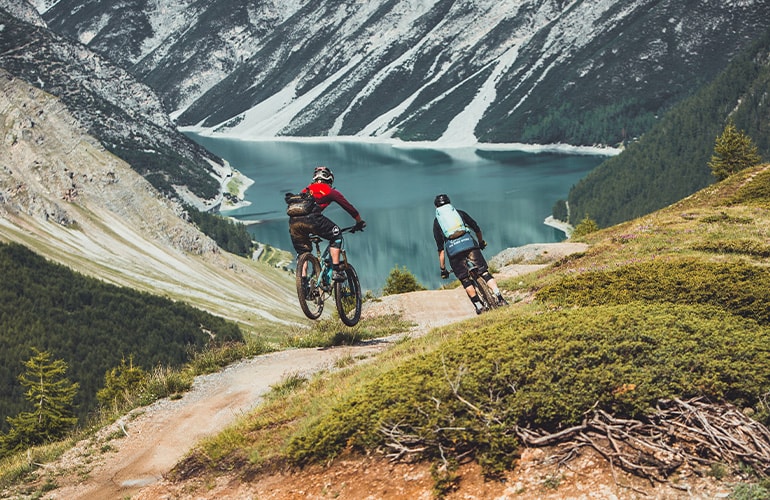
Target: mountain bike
(487, 297)
(315, 284)
(485, 294)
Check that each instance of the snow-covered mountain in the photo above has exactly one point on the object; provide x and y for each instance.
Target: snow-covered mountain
(538, 71)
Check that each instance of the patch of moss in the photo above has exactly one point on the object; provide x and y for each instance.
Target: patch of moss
(737, 287)
(756, 192)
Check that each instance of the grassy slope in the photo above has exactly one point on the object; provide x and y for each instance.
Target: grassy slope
(670, 304)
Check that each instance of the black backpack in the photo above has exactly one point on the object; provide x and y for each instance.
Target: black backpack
(300, 204)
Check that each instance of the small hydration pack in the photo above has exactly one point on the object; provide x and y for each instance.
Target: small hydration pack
(450, 221)
(300, 204)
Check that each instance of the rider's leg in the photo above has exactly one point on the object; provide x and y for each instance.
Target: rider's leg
(471, 291)
(328, 230)
(299, 231)
(493, 286)
(460, 268)
(491, 282)
(338, 274)
(480, 262)
(335, 254)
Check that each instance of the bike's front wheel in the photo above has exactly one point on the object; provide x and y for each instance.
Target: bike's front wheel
(347, 295)
(310, 296)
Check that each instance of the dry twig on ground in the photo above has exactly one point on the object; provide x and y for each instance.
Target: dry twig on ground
(680, 432)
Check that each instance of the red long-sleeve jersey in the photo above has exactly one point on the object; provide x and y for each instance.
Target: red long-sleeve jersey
(324, 195)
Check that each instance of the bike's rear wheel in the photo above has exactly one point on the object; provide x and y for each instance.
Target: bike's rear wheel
(310, 296)
(485, 293)
(347, 296)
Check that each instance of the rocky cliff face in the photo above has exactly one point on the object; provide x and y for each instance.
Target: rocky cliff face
(125, 115)
(68, 198)
(538, 71)
(51, 170)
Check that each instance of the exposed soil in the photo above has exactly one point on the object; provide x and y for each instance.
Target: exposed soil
(129, 458)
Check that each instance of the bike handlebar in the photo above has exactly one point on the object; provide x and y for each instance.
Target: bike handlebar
(351, 229)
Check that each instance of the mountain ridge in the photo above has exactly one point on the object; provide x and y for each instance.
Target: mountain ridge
(533, 71)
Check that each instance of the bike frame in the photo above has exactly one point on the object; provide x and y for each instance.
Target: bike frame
(324, 281)
(347, 293)
(482, 289)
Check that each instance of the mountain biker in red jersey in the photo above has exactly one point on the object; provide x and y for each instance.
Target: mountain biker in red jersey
(300, 227)
(451, 230)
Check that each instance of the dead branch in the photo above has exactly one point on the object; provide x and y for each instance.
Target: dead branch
(679, 432)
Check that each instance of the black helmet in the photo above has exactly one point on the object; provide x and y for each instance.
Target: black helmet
(441, 199)
(323, 174)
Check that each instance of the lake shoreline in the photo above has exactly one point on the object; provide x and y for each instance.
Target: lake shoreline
(597, 150)
(562, 226)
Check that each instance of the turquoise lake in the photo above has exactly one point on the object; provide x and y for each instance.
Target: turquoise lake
(509, 193)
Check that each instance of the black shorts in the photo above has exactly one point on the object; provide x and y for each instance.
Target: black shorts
(459, 266)
(301, 227)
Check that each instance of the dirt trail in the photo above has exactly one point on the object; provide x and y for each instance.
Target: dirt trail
(149, 441)
(153, 439)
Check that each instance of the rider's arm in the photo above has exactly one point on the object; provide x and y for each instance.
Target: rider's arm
(438, 236)
(471, 223)
(335, 195)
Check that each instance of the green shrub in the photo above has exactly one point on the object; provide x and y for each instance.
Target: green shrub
(584, 227)
(329, 332)
(401, 281)
(164, 383)
(727, 219)
(737, 287)
(546, 371)
(121, 384)
(734, 151)
(745, 491)
(753, 248)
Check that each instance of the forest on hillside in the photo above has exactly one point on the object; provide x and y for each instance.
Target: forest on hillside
(91, 325)
(670, 161)
(230, 235)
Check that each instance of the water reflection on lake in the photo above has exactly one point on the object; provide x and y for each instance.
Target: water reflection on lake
(509, 193)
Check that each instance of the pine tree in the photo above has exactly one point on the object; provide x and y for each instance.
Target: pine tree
(51, 395)
(121, 384)
(733, 152)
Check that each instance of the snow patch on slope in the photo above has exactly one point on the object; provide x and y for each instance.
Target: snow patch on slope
(458, 131)
(271, 116)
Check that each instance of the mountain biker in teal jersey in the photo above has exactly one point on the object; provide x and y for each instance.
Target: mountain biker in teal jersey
(451, 230)
(301, 227)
